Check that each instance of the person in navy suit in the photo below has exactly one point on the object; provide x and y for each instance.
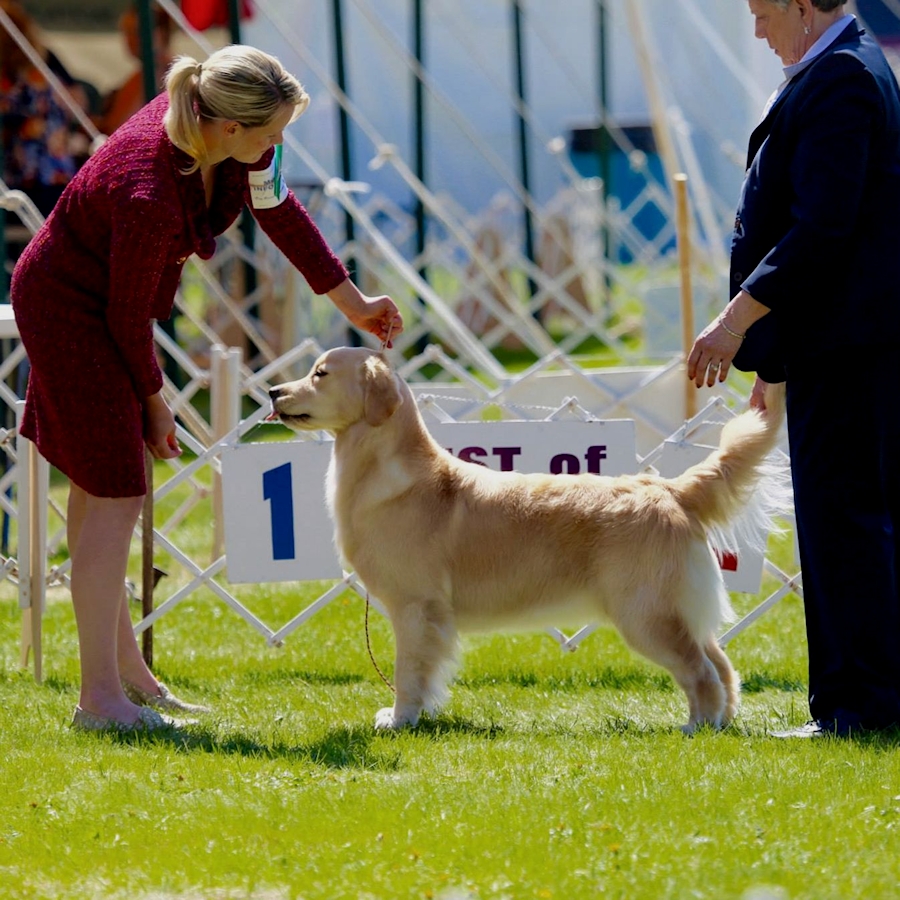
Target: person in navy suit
(815, 276)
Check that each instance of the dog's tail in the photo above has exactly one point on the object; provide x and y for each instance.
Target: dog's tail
(738, 489)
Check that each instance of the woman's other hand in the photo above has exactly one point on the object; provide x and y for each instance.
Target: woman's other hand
(159, 428)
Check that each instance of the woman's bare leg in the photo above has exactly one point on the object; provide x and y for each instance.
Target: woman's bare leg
(130, 658)
(99, 533)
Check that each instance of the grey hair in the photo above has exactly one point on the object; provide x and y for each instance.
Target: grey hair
(237, 83)
(821, 5)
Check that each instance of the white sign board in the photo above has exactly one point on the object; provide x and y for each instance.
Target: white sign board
(277, 526)
(742, 570)
(276, 522)
(557, 448)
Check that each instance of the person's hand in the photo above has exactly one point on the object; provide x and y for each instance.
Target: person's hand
(713, 351)
(379, 316)
(758, 395)
(159, 428)
(710, 357)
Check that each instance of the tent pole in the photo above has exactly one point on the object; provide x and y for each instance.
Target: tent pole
(343, 118)
(419, 106)
(519, 64)
(234, 21)
(649, 67)
(344, 125)
(148, 57)
(248, 223)
(603, 149)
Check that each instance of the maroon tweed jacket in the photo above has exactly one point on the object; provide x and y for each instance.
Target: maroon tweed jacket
(106, 264)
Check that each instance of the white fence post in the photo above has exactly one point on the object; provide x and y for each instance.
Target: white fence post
(225, 414)
(33, 491)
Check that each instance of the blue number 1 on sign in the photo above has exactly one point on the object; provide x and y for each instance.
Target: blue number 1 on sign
(278, 487)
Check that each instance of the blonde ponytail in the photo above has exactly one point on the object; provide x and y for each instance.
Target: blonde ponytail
(237, 83)
(182, 85)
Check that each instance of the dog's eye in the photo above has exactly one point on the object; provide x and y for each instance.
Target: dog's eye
(320, 373)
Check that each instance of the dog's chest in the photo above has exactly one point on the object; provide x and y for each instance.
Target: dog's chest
(359, 496)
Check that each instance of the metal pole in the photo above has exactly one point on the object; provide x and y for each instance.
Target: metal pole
(248, 223)
(4, 250)
(148, 57)
(148, 582)
(234, 21)
(523, 134)
(344, 124)
(603, 145)
(419, 142)
(343, 118)
(146, 28)
(419, 105)
(603, 141)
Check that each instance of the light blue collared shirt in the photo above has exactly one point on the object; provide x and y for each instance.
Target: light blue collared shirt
(826, 39)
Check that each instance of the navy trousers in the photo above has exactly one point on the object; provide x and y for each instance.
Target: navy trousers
(844, 434)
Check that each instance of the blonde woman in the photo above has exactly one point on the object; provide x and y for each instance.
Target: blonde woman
(86, 292)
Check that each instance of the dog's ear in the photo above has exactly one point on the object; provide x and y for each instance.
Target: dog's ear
(382, 396)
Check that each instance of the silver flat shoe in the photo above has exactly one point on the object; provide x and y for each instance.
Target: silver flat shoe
(147, 720)
(165, 700)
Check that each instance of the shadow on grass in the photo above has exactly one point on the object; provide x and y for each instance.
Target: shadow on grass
(608, 678)
(756, 682)
(341, 748)
(289, 677)
(886, 741)
(443, 724)
(59, 685)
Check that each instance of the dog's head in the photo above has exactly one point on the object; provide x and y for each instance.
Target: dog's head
(344, 386)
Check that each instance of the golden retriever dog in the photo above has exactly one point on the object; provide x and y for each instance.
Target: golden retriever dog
(450, 546)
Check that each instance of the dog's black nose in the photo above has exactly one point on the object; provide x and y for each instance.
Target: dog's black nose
(274, 393)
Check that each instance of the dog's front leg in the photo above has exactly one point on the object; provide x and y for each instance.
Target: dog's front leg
(425, 642)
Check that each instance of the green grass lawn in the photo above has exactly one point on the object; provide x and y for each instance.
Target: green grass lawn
(548, 775)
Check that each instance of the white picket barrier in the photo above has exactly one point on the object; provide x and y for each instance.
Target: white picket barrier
(625, 420)
(266, 486)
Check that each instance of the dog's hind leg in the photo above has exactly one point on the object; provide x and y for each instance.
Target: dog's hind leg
(426, 642)
(730, 679)
(667, 641)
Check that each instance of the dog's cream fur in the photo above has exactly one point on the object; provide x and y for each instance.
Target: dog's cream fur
(450, 546)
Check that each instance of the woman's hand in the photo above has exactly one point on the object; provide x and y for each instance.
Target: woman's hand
(377, 315)
(758, 395)
(712, 354)
(159, 428)
(717, 345)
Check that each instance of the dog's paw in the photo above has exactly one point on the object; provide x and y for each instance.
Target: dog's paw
(388, 719)
(693, 727)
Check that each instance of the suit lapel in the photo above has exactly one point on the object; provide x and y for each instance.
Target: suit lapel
(762, 131)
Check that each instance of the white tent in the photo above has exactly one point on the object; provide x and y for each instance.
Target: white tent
(711, 76)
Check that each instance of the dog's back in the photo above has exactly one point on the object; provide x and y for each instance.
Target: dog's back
(510, 549)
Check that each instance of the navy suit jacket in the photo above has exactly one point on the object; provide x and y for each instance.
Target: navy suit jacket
(817, 232)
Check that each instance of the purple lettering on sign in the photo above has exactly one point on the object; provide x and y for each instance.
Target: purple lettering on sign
(593, 457)
(507, 454)
(564, 464)
(470, 454)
